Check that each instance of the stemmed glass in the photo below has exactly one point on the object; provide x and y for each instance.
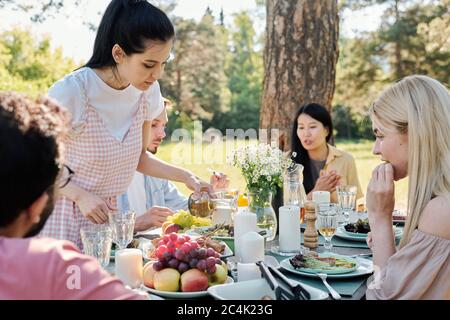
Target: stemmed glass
(122, 226)
(347, 200)
(327, 222)
(97, 240)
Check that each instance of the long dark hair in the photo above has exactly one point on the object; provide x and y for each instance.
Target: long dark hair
(128, 23)
(319, 113)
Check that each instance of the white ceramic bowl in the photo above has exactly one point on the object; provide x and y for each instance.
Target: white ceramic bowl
(254, 290)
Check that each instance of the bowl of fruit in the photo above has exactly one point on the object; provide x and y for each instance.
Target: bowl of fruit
(183, 267)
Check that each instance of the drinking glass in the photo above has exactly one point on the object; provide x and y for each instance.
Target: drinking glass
(327, 222)
(122, 226)
(97, 240)
(347, 200)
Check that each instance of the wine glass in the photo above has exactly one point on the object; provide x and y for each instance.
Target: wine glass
(327, 222)
(347, 200)
(97, 240)
(122, 226)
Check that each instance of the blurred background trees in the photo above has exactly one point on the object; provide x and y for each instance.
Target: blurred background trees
(216, 74)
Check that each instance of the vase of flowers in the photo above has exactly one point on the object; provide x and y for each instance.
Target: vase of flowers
(263, 167)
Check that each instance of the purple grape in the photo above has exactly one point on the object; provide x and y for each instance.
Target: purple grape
(217, 255)
(158, 266)
(193, 253)
(167, 256)
(201, 265)
(202, 253)
(210, 261)
(173, 263)
(218, 261)
(179, 255)
(193, 263)
(182, 267)
(210, 252)
(211, 269)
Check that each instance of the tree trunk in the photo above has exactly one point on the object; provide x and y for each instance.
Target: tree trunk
(300, 57)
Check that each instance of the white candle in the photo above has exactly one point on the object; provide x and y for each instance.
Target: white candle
(252, 247)
(244, 221)
(248, 271)
(321, 197)
(289, 238)
(222, 215)
(129, 267)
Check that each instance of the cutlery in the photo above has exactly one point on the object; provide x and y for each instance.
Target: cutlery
(334, 293)
(280, 292)
(299, 292)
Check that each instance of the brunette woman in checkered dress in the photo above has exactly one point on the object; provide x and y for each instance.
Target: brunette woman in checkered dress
(112, 100)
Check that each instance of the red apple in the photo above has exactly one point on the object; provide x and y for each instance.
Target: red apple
(194, 280)
(172, 228)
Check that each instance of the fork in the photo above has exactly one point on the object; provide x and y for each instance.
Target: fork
(334, 293)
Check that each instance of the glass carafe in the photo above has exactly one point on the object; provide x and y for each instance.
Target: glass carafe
(293, 190)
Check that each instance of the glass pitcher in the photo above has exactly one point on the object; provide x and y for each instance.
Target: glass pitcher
(293, 189)
(199, 204)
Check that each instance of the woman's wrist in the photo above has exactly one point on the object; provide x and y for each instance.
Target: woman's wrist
(379, 220)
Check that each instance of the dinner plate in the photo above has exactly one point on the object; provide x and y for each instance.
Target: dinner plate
(332, 271)
(344, 234)
(255, 290)
(183, 295)
(365, 267)
(353, 234)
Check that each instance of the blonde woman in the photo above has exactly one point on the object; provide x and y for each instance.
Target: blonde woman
(411, 122)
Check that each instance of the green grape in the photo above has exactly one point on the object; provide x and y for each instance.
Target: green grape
(183, 218)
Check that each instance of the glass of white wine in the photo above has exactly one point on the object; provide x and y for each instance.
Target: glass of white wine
(327, 222)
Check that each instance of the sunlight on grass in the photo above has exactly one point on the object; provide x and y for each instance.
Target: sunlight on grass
(198, 158)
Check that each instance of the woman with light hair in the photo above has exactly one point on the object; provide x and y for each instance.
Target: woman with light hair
(411, 122)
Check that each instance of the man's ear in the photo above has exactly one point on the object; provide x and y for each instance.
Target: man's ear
(117, 53)
(36, 208)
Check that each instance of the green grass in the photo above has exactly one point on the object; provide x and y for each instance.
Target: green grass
(199, 159)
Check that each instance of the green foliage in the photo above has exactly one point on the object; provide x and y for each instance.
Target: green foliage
(244, 71)
(28, 64)
(412, 39)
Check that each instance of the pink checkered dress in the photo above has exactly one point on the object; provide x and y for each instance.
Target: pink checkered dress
(103, 165)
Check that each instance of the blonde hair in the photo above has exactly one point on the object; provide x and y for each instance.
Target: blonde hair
(420, 107)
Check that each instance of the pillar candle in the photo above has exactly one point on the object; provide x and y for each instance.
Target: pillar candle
(289, 238)
(244, 221)
(321, 197)
(248, 271)
(129, 267)
(252, 247)
(222, 215)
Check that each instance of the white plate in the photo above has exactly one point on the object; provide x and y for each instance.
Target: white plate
(365, 267)
(329, 272)
(183, 295)
(342, 233)
(255, 290)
